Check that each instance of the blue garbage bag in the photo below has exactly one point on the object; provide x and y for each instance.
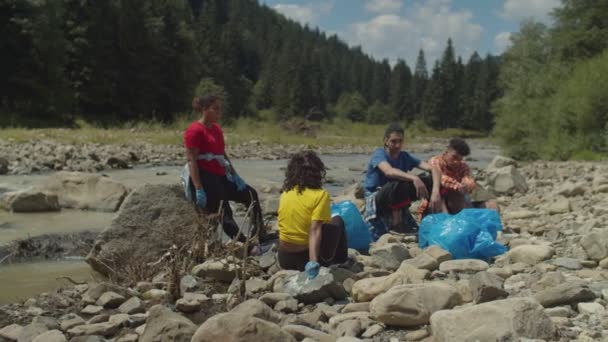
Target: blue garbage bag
(469, 234)
(358, 235)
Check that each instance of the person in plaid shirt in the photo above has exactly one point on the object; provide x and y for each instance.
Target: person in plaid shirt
(457, 182)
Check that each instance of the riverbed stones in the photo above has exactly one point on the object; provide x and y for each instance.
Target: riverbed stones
(486, 287)
(132, 306)
(11, 332)
(595, 245)
(423, 261)
(110, 300)
(221, 270)
(507, 180)
(50, 336)
(91, 310)
(256, 308)
(365, 290)
(438, 253)
(301, 332)
(191, 302)
(85, 191)
(500, 320)
(69, 321)
(412, 305)
(222, 327)
(464, 266)
(163, 324)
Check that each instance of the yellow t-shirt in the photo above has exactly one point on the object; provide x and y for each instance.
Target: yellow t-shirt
(298, 210)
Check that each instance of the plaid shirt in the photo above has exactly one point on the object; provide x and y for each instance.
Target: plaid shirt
(454, 177)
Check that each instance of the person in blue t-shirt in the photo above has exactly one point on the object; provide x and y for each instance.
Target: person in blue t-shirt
(389, 190)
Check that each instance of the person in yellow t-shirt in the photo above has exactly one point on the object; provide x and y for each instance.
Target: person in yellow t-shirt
(308, 236)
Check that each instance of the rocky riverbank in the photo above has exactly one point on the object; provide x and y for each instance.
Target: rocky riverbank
(49, 155)
(552, 284)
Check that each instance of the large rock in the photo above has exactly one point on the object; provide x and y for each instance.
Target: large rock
(595, 245)
(464, 266)
(310, 291)
(486, 287)
(365, 290)
(412, 305)
(27, 201)
(221, 270)
(507, 180)
(500, 320)
(258, 309)
(530, 254)
(236, 327)
(152, 218)
(163, 325)
(389, 256)
(564, 294)
(85, 191)
(500, 162)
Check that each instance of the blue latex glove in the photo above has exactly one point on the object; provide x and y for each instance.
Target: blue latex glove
(312, 269)
(239, 182)
(201, 198)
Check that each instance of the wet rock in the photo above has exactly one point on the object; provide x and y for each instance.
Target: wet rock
(531, 254)
(486, 287)
(315, 290)
(464, 266)
(27, 201)
(564, 294)
(222, 328)
(500, 320)
(85, 191)
(165, 325)
(139, 232)
(412, 305)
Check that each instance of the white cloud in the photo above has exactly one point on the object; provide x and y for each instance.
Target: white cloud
(383, 6)
(305, 14)
(502, 41)
(518, 10)
(426, 25)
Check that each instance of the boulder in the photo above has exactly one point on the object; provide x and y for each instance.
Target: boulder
(85, 191)
(422, 261)
(163, 324)
(30, 331)
(50, 336)
(152, 218)
(500, 320)
(219, 269)
(316, 290)
(257, 308)
(132, 306)
(464, 266)
(486, 287)
(438, 253)
(570, 189)
(507, 180)
(389, 256)
(565, 294)
(222, 327)
(500, 162)
(28, 201)
(412, 305)
(301, 332)
(595, 245)
(530, 254)
(191, 302)
(365, 290)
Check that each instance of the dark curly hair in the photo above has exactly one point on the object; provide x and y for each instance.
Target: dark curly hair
(200, 103)
(460, 146)
(304, 170)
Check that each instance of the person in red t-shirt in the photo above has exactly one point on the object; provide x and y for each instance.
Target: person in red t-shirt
(211, 173)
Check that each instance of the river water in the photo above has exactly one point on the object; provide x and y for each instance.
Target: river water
(23, 280)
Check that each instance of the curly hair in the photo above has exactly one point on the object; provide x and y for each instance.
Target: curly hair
(200, 103)
(304, 170)
(460, 146)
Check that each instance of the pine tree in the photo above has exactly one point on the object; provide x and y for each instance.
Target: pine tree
(419, 84)
(400, 101)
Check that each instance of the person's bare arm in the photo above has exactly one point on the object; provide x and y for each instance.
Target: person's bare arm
(435, 200)
(395, 173)
(192, 155)
(314, 240)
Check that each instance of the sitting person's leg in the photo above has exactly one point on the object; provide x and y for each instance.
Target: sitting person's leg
(393, 197)
(292, 260)
(334, 248)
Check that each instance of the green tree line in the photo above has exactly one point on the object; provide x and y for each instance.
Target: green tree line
(117, 61)
(555, 84)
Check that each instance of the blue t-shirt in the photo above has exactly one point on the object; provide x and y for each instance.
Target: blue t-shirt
(375, 177)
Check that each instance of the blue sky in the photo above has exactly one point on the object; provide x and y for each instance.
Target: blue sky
(399, 28)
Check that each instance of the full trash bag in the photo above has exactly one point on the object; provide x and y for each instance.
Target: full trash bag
(358, 235)
(470, 234)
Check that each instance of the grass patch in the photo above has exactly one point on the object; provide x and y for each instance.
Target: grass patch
(335, 133)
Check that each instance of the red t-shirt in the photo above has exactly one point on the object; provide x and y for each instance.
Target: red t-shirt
(207, 140)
